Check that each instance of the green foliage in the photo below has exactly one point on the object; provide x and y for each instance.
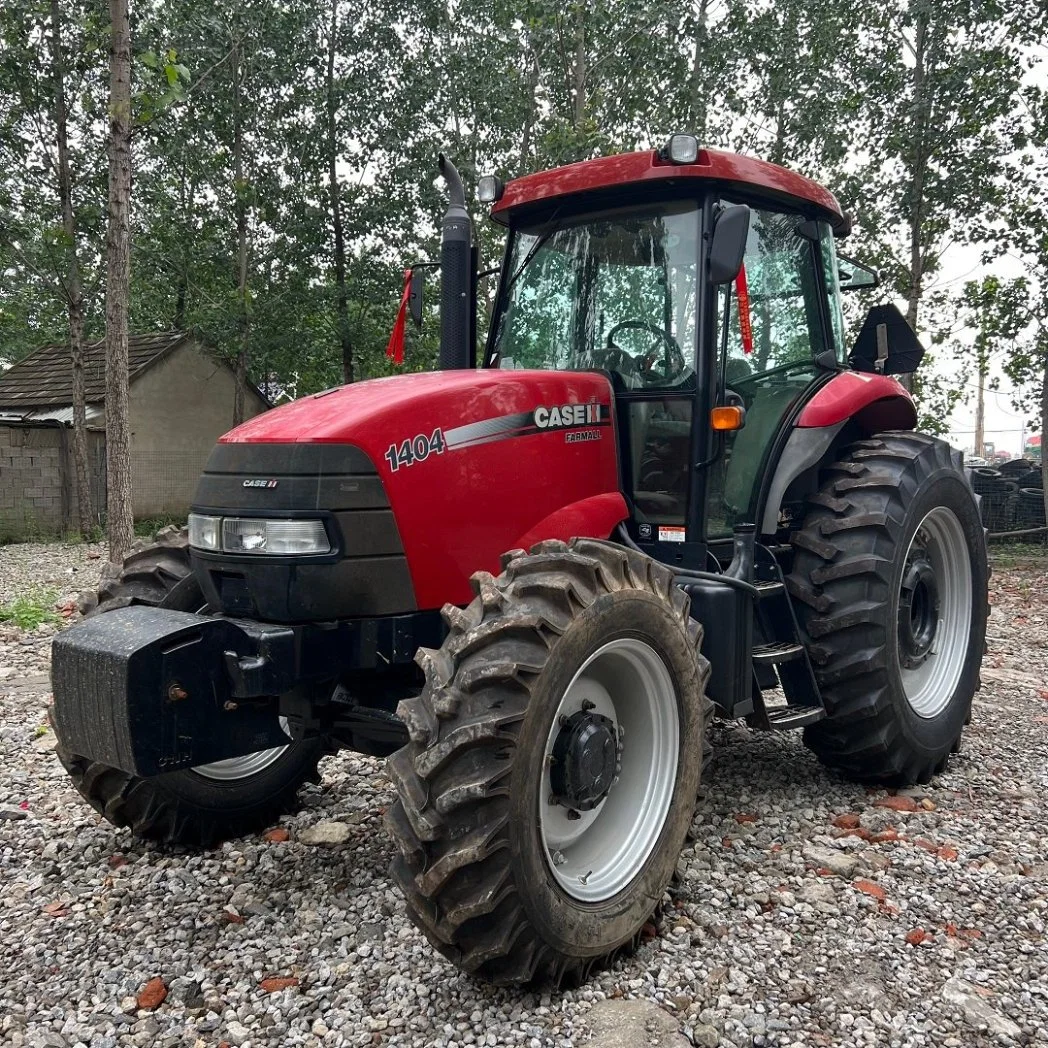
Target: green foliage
(34, 250)
(30, 609)
(920, 115)
(165, 81)
(147, 527)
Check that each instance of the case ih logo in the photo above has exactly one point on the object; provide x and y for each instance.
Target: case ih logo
(567, 415)
(260, 483)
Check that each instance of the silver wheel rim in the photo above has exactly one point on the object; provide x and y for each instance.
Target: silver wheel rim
(234, 768)
(594, 854)
(930, 686)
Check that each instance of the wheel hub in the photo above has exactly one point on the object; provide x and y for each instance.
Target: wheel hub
(918, 611)
(584, 760)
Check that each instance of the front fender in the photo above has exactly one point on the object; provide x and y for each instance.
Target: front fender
(594, 517)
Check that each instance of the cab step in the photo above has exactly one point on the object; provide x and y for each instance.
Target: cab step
(777, 652)
(785, 718)
(769, 588)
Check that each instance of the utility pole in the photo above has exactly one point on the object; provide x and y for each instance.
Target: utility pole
(980, 437)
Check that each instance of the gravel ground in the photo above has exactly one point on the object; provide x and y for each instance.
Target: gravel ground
(782, 930)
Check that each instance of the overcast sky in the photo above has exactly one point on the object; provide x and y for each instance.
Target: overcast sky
(1005, 427)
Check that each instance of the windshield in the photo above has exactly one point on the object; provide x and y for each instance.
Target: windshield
(614, 291)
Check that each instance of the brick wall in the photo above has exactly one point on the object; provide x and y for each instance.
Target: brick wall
(36, 480)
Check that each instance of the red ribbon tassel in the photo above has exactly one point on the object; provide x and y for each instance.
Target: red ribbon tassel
(742, 292)
(395, 348)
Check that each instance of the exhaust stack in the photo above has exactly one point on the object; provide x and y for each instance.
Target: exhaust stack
(457, 339)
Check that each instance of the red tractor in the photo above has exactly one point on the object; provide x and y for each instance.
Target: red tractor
(712, 505)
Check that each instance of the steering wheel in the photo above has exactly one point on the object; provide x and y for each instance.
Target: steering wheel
(673, 366)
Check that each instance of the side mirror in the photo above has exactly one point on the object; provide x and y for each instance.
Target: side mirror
(415, 295)
(730, 232)
(854, 276)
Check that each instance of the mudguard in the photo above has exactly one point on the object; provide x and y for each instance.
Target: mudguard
(874, 402)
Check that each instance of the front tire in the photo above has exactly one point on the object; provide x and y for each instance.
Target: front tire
(199, 806)
(890, 583)
(554, 763)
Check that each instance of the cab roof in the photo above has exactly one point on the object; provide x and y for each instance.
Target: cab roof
(648, 167)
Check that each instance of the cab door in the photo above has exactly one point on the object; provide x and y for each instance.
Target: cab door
(784, 332)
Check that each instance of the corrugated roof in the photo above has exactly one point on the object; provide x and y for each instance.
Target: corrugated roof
(94, 415)
(45, 379)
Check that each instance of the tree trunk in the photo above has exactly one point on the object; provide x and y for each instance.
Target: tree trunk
(778, 151)
(698, 102)
(341, 297)
(120, 523)
(240, 188)
(524, 161)
(182, 278)
(980, 416)
(580, 65)
(918, 164)
(72, 284)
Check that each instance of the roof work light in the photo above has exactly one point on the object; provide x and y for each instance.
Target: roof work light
(681, 149)
(489, 188)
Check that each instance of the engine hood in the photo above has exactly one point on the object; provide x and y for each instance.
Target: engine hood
(349, 413)
(473, 463)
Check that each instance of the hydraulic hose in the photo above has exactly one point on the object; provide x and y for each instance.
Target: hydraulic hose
(689, 573)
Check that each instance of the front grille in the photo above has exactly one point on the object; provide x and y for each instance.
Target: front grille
(366, 574)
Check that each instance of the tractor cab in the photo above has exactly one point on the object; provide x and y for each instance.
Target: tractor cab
(705, 370)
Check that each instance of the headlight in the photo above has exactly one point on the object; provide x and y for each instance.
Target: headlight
(244, 535)
(205, 532)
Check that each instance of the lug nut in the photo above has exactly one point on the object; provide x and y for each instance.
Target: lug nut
(587, 705)
(229, 706)
(558, 858)
(573, 816)
(176, 693)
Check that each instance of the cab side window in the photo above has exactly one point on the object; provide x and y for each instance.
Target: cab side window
(775, 331)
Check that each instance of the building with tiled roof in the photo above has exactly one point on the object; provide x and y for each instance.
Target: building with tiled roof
(181, 401)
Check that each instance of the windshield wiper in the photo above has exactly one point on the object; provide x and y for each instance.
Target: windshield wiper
(534, 249)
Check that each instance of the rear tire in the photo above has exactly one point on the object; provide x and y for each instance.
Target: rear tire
(199, 806)
(890, 584)
(508, 868)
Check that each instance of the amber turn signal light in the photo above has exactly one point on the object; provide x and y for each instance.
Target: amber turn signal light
(729, 418)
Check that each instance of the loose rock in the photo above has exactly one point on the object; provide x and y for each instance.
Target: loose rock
(326, 832)
(838, 862)
(978, 1011)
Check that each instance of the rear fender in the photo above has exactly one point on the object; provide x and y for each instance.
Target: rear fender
(874, 402)
(804, 449)
(594, 517)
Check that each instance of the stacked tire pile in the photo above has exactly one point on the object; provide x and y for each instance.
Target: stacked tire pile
(1012, 497)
